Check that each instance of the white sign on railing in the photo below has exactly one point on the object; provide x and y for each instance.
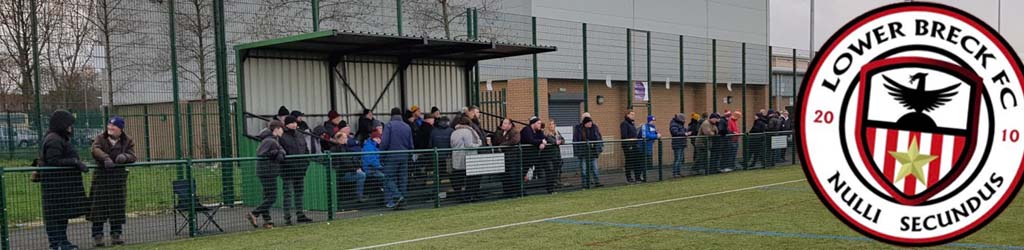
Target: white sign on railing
(481, 164)
(780, 141)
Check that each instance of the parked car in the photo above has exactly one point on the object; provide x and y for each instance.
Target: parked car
(21, 137)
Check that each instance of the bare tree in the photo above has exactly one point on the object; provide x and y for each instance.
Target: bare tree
(71, 50)
(277, 18)
(428, 16)
(116, 31)
(196, 55)
(16, 37)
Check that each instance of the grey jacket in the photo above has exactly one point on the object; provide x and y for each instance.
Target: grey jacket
(464, 137)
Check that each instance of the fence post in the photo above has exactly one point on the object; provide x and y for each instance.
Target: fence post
(36, 78)
(522, 181)
(398, 15)
(315, 5)
(629, 68)
(661, 157)
(714, 75)
(192, 230)
(10, 135)
(586, 76)
(145, 126)
(332, 187)
(437, 180)
(223, 103)
(536, 83)
(6, 241)
(174, 83)
(707, 155)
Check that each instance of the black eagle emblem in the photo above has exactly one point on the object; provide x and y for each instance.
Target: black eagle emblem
(919, 100)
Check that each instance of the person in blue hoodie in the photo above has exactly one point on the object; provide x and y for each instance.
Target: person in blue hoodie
(373, 168)
(397, 137)
(648, 135)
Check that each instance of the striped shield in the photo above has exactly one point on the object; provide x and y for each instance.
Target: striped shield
(916, 125)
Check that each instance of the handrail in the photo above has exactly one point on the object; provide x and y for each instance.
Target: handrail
(344, 154)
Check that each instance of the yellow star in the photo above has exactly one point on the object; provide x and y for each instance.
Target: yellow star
(912, 162)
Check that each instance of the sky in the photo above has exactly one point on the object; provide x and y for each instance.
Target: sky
(791, 19)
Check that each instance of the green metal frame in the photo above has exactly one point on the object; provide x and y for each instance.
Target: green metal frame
(283, 40)
(743, 79)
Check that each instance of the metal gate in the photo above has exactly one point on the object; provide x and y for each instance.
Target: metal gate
(492, 106)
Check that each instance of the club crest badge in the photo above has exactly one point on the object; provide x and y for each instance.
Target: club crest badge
(909, 124)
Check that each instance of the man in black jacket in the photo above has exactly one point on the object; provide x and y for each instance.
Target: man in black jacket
(627, 131)
(62, 189)
(293, 172)
(757, 142)
(533, 137)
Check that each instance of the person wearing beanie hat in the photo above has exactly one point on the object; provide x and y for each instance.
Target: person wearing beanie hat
(282, 112)
(111, 150)
(631, 151)
(293, 171)
(300, 118)
(648, 135)
(587, 150)
(757, 142)
(708, 130)
(268, 169)
(63, 194)
(328, 129)
(436, 112)
(533, 136)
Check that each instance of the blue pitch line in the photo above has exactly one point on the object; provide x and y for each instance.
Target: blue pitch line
(757, 233)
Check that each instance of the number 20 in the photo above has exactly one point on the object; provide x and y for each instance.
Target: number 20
(820, 117)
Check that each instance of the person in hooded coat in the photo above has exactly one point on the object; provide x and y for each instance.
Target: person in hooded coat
(63, 193)
(441, 138)
(679, 137)
(111, 150)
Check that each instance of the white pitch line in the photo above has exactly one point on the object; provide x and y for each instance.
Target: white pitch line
(572, 215)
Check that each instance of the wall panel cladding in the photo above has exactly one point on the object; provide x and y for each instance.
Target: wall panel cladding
(295, 84)
(434, 83)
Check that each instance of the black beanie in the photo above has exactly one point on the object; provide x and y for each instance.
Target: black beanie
(434, 110)
(282, 111)
(297, 113)
(290, 119)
